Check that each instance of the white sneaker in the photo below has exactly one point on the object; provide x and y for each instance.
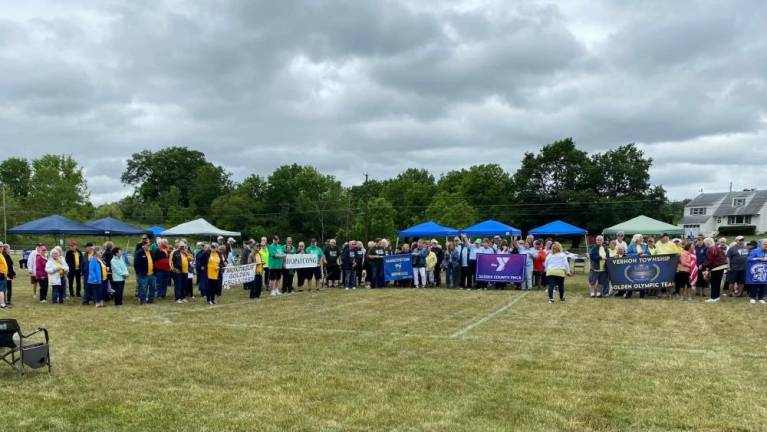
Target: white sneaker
(179, 301)
(43, 301)
(593, 295)
(752, 301)
(716, 300)
(347, 288)
(273, 293)
(762, 302)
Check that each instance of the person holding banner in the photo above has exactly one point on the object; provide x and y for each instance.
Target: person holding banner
(375, 257)
(683, 271)
(757, 287)
(288, 274)
(715, 264)
(557, 267)
(637, 247)
(314, 276)
(598, 277)
(303, 273)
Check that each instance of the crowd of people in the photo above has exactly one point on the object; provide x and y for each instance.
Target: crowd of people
(98, 274)
(703, 263)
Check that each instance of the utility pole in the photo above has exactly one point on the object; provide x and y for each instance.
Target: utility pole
(365, 196)
(5, 220)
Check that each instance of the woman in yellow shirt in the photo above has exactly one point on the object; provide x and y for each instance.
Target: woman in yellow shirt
(212, 272)
(179, 263)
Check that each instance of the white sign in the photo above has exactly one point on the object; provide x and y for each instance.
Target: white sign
(235, 275)
(296, 261)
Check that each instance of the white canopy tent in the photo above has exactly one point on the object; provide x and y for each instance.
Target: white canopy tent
(198, 227)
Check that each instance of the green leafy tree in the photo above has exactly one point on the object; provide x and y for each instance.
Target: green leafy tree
(108, 210)
(16, 175)
(451, 209)
(379, 221)
(58, 186)
(153, 173)
(410, 193)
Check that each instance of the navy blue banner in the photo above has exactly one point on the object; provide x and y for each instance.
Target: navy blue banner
(641, 273)
(398, 267)
(756, 272)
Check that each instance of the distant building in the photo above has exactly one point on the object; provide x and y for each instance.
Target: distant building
(709, 211)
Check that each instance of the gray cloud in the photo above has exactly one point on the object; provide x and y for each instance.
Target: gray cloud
(362, 86)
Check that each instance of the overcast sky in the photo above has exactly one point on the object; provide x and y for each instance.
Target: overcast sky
(378, 86)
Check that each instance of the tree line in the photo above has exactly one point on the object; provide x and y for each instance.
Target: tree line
(177, 184)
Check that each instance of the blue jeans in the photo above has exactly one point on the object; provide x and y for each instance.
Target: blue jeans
(144, 282)
(162, 283)
(179, 285)
(452, 275)
(58, 293)
(350, 278)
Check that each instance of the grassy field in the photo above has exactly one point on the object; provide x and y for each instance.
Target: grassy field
(395, 359)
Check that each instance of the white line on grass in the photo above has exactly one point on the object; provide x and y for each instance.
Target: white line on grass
(486, 318)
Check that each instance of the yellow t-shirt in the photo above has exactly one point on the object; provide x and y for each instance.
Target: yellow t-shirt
(213, 262)
(666, 249)
(77, 259)
(149, 263)
(103, 269)
(603, 261)
(555, 272)
(184, 263)
(3, 265)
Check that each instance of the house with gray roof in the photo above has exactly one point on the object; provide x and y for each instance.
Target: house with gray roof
(707, 212)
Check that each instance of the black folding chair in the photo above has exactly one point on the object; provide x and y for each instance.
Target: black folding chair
(22, 353)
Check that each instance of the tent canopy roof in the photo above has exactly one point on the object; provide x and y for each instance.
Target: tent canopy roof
(557, 228)
(643, 225)
(428, 229)
(491, 227)
(198, 227)
(113, 226)
(55, 224)
(156, 230)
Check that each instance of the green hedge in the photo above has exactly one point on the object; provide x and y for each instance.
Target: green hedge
(737, 230)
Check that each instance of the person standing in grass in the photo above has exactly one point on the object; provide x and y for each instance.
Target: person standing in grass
(57, 269)
(315, 273)
(74, 259)
(557, 267)
(97, 277)
(179, 264)
(715, 263)
(737, 256)
(683, 270)
(143, 265)
(538, 264)
(10, 274)
(452, 265)
(264, 251)
(431, 266)
(288, 274)
(598, 278)
(3, 281)
(330, 261)
(31, 264)
(255, 258)
(41, 259)
(162, 267)
(119, 274)
(419, 254)
(212, 271)
(756, 291)
(276, 257)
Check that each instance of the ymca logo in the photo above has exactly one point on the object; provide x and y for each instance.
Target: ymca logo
(501, 264)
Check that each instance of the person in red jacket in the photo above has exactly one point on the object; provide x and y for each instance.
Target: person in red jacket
(162, 267)
(40, 275)
(715, 264)
(538, 264)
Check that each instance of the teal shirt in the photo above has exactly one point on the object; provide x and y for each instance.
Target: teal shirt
(276, 256)
(315, 250)
(119, 269)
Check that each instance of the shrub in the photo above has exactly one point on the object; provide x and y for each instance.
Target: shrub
(743, 230)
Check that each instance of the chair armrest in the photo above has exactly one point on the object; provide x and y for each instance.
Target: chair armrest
(37, 330)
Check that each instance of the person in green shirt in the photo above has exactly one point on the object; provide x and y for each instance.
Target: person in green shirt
(288, 274)
(314, 275)
(276, 258)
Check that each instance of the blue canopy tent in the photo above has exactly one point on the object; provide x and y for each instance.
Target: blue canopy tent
(491, 228)
(428, 229)
(156, 230)
(111, 226)
(560, 228)
(56, 225)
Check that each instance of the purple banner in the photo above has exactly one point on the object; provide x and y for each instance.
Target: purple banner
(501, 268)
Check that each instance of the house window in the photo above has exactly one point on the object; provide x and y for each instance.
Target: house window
(738, 220)
(738, 202)
(697, 211)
